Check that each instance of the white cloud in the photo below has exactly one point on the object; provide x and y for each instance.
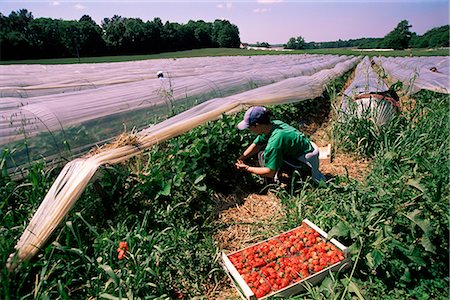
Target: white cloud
(79, 6)
(227, 5)
(261, 10)
(56, 3)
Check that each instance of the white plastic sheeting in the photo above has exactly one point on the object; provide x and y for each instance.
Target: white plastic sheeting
(27, 81)
(76, 175)
(60, 107)
(418, 73)
(366, 80)
(368, 96)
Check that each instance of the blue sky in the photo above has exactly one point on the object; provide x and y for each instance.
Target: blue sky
(272, 21)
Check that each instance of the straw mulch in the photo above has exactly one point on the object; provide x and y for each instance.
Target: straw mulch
(345, 164)
(245, 223)
(244, 219)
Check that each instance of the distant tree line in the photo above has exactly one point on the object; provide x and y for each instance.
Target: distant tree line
(24, 37)
(399, 38)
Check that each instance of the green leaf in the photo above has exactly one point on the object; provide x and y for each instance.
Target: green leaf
(354, 233)
(380, 239)
(110, 297)
(199, 178)
(110, 273)
(423, 224)
(152, 272)
(165, 191)
(61, 290)
(415, 183)
(406, 276)
(373, 213)
(400, 246)
(353, 288)
(327, 284)
(340, 229)
(417, 259)
(427, 244)
(374, 258)
(200, 188)
(178, 179)
(413, 252)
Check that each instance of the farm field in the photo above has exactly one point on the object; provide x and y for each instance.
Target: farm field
(182, 202)
(228, 52)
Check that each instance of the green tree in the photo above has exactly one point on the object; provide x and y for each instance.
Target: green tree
(296, 43)
(203, 34)
(91, 40)
(50, 38)
(15, 40)
(262, 44)
(22, 36)
(134, 39)
(153, 35)
(170, 36)
(398, 39)
(225, 34)
(436, 37)
(114, 32)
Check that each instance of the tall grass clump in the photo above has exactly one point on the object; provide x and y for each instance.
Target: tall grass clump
(396, 221)
(358, 131)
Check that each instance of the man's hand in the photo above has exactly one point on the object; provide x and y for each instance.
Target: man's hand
(240, 165)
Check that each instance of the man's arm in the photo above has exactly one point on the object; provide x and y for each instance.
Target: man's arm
(261, 171)
(250, 151)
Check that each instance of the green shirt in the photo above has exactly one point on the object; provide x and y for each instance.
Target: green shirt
(284, 141)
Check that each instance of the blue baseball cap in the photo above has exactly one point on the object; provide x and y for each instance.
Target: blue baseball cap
(252, 115)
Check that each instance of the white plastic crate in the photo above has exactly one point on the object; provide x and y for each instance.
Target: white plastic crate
(295, 286)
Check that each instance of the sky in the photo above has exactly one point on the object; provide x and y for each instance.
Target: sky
(271, 21)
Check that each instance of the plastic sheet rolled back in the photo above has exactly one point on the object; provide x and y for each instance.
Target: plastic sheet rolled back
(378, 109)
(75, 176)
(368, 96)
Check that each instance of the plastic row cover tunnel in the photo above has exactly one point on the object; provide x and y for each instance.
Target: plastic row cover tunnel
(58, 112)
(368, 96)
(428, 73)
(76, 174)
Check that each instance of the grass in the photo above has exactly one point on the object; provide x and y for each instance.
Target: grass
(227, 52)
(121, 58)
